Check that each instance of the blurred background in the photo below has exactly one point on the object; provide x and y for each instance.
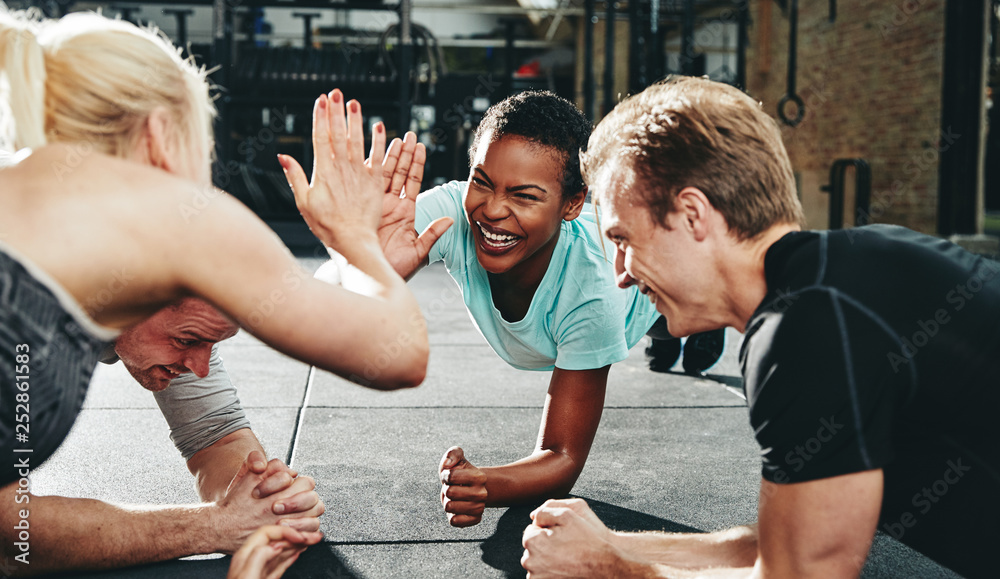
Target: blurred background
(885, 106)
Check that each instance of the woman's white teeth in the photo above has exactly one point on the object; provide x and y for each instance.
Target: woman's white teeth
(498, 240)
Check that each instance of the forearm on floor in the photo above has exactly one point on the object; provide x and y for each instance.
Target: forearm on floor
(547, 474)
(731, 548)
(632, 569)
(215, 466)
(86, 534)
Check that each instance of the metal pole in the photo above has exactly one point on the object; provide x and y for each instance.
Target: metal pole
(687, 39)
(836, 191)
(636, 58)
(962, 102)
(510, 62)
(654, 44)
(180, 16)
(222, 56)
(405, 62)
(995, 29)
(588, 58)
(741, 45)
(609, 55)
(307, 32)
(182, 32)
(793, 39)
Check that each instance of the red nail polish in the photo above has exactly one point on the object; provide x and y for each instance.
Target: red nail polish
(354, 107)
(336, 96)
(379, 128)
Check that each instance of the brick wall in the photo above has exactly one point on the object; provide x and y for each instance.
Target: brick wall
(871, 82)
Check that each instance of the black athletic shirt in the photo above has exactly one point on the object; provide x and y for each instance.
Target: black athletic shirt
(879, 348)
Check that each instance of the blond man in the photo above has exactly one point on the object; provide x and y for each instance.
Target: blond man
(869, 361)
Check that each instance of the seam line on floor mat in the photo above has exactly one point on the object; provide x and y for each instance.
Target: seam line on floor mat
(298, 417)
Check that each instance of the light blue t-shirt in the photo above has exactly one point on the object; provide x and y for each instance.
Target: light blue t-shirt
(578, 318)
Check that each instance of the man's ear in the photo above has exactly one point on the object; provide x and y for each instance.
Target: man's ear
(574, 205)
(694, 208)
(161, 149)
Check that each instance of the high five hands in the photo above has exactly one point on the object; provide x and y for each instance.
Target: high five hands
(343, 201)
(403, 171)
(340, 205)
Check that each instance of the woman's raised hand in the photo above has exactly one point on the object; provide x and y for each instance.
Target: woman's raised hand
(403, 170)
(343, 202)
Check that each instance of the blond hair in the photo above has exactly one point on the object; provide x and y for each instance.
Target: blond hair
(693, 132)
(88, 79)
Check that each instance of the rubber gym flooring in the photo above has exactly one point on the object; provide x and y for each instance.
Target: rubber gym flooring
(673, 453)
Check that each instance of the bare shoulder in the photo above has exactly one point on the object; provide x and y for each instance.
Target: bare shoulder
(145, 203)
(88, 218)
(60, 177)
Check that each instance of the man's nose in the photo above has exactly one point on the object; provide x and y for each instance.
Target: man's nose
(197, 360)
(622, 277)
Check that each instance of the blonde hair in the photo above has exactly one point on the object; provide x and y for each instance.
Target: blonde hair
(693, 132)
(88, 79)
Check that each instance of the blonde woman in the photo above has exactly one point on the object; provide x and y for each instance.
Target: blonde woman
(108, 201)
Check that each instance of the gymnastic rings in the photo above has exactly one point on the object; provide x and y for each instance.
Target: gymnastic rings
(791, 94)
(800, 109)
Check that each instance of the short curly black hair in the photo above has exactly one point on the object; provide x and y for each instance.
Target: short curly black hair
(546, 119)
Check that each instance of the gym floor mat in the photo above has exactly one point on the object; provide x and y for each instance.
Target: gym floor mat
(673, 453)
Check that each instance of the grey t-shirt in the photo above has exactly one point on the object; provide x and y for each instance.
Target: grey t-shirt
(199, 411)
